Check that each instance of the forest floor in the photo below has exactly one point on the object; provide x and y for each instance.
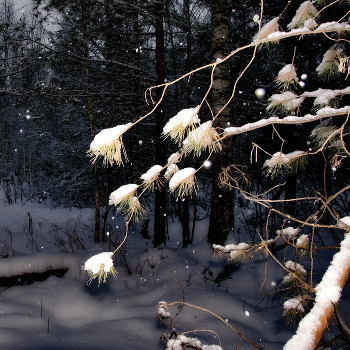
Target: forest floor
(66, 313)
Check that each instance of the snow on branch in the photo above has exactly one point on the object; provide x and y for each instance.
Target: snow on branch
(323, 28)
(324, 96)
(325, 112)
(328, 293)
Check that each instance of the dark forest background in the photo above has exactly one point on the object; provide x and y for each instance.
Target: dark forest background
(69, 69)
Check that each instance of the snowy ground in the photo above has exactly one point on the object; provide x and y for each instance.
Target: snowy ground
(65, 313)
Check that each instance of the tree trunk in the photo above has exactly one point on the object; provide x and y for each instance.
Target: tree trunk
(160, 196)
(221, 215)
(97, 234)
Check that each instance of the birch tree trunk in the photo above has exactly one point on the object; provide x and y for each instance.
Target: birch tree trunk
(221, 215)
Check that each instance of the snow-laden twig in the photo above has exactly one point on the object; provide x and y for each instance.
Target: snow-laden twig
(325, 112)
(328, 293)
(219, 318)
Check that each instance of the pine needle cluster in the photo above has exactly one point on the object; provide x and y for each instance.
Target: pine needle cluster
(281, 163)
(179, 125)
(184, 182)
(332, 64)
(286, 102)
(126, 202)
(99, 267)
(305, 12)
(287, 77)
(203, 138)
(108, 144)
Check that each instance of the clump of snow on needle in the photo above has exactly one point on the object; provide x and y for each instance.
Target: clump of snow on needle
(294, 303)
(174, 158)
(287, 101)
(162, 310)
(280, 162)
(233, 251)
(324, 132)
(184, 182)
(306, 11)
(286, 77)
(125, 200)
(151, 177)
(183, 121)
(292, 308)
(297, 274)
(269, 28)
(171, 170)
(288, 232)
(205, 137)
(294, 266)
(100, 266)
(182, 342)
(303, 246)
(109, 145)
(332, 63)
